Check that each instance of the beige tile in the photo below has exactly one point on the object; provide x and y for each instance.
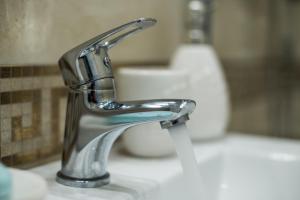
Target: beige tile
(47, 137)
(5, 124)
(5, 85)
(16, 109)
(52, 81)
(26, 121)
(27, 145)
(46, 96)
(16, 147)
(26, 108)
(37, 82)
(5, 150)
(27, 83)
(5, 137)
(5, 111)
(17, 130)
(16, 84)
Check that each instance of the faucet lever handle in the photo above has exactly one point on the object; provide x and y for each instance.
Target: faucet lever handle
(89, 61)
(103, 40)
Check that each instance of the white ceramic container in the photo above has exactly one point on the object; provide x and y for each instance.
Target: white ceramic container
(207, 86)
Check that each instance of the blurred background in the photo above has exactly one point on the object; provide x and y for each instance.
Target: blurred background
(256, 42)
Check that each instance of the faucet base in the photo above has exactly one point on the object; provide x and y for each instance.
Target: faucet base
(82, 183)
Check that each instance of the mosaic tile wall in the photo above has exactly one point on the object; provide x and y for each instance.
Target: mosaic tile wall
(32, 107)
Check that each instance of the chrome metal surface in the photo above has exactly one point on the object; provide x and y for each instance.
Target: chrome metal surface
(198, 21)
(83, 183)
(94, 120)
(171, 123)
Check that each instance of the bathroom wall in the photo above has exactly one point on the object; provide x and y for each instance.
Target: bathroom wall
(32, 109)
(261, 63)
(265, 86)
(35, 31)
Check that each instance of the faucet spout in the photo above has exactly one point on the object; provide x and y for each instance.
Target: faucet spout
(92, 128)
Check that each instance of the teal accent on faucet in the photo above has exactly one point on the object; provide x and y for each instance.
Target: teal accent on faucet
(139, 117)
(5, 183)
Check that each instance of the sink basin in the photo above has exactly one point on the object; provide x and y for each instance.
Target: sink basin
(260, 170)
(235, 168)
(248, 168)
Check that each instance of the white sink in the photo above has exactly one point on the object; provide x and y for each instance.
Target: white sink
(235, 168)
(249, 168)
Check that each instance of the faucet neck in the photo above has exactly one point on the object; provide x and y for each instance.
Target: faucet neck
(99, 91)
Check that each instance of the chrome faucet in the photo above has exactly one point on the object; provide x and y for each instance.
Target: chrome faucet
(94, 119)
